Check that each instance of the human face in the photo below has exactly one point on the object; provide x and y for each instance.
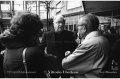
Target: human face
(58, 26)
(81, 27)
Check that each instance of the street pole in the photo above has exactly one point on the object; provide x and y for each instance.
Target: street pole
(12, 9)
(47, 8)
(47, 15)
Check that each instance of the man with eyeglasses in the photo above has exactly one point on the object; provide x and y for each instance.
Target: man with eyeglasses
(91, 55)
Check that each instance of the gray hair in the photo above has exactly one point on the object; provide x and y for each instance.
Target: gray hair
(92, 22)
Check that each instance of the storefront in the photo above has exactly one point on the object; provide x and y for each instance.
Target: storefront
(71, 22)
(106, 11)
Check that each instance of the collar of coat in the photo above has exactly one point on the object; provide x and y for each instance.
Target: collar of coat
(92, 34)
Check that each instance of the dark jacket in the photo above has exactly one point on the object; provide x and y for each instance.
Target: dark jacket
(1, 62)
(58, 43)
(37, 61)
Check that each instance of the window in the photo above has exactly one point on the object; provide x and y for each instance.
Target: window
(5, 10)
(74, 4)
(5, 6)
(18, 5)
(43, 11)
(71, 22)
(31, 6)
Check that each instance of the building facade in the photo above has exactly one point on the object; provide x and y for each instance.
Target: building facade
(71, 10)
(47, 10)
(9, 7)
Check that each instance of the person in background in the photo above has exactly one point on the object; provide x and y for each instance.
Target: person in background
(58, 41)
(105, 27)
(1, 48)
(89, 58)
(21, 35)
(1, 27)
(115, 57)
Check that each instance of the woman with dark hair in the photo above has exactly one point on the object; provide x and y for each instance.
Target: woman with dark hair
(22, 36)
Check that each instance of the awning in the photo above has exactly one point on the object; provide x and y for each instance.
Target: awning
(103, 8)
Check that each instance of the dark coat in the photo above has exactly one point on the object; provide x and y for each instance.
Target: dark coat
(58, 43)
(1, 62)
(37, 62)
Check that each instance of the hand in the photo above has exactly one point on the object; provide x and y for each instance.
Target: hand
(2, 52)
(77, 41)
(67, 53)
(50, 55)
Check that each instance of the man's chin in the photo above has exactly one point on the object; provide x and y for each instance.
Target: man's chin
(58, 30)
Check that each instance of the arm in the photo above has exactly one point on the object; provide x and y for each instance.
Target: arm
(43, 41)
(79, 60)
(72, 43)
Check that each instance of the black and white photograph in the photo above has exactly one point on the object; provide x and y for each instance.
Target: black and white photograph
(59, 39)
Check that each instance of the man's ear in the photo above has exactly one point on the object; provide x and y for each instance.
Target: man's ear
(84, 28)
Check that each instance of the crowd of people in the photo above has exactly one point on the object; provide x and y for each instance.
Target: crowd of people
(58, 54)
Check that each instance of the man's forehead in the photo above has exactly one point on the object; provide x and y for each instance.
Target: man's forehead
(59, 19)
(82, 21)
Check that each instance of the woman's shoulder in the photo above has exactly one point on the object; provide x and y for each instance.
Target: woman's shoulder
(35, 49)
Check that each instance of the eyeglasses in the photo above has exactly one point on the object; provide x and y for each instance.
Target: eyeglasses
(80, 25)
(57, 22)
